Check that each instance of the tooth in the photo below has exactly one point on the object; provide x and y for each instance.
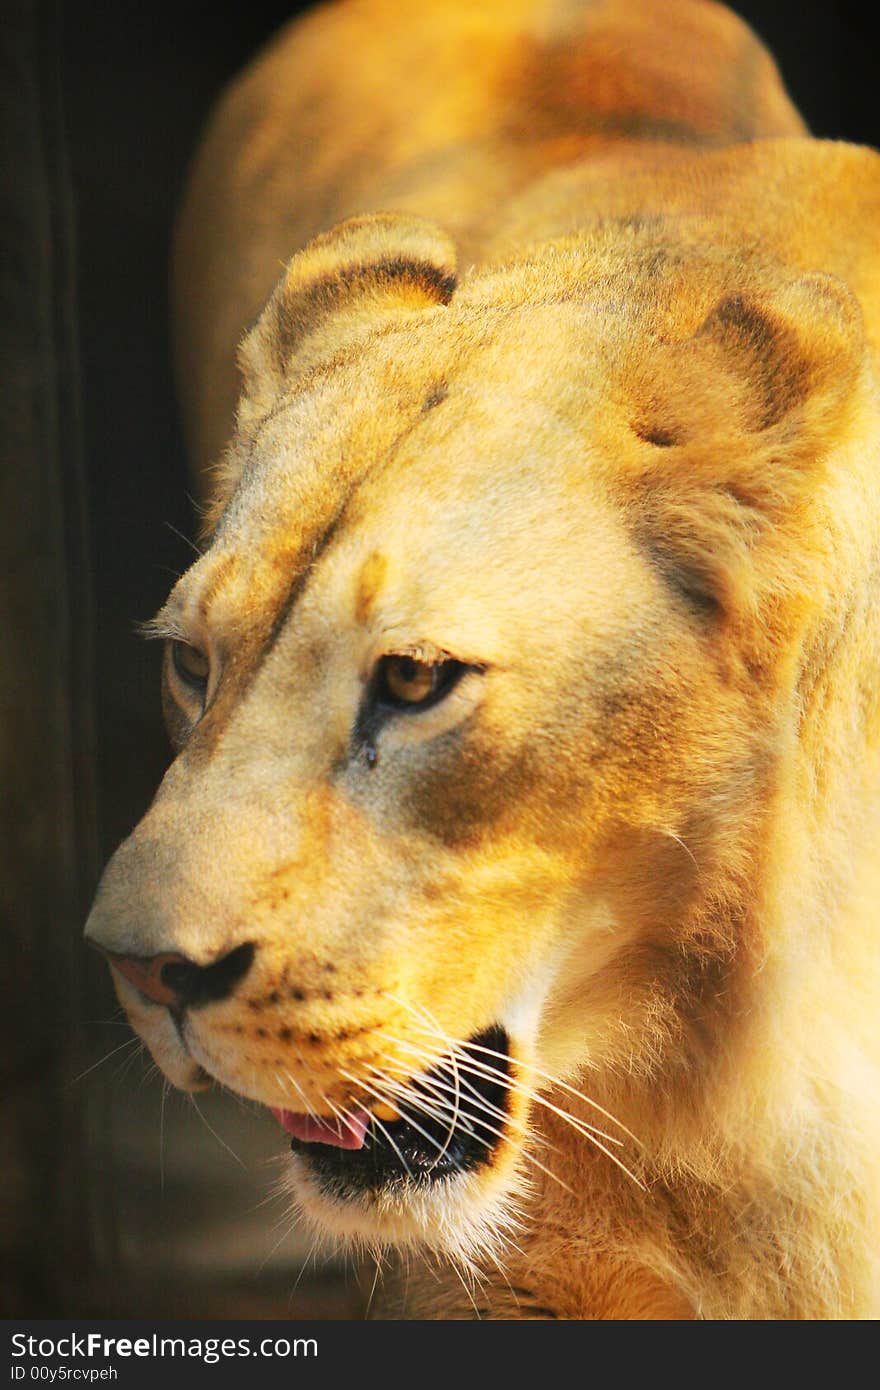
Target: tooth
(385, 1112)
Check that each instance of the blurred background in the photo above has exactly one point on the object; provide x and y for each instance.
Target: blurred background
(118, 1199)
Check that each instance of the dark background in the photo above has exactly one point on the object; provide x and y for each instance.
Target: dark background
(134, 85)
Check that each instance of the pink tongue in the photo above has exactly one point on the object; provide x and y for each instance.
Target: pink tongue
(342, 1134)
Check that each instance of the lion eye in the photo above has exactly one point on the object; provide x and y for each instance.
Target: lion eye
(191, 665)
(405, 682)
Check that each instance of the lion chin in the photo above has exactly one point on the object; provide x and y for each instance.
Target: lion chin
(519, 849)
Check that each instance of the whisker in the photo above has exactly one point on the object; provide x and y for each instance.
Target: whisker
(211, 1130)
(469, 1293)
(377, 1095)
(476, 1068)
(304, 1266)
(381, 1126)
(129, 1042)
(186, 540)
(589, 1131)
(285, 1234)
(376, 1278)
(401, 1090)
(591, 1137)
(125, 1065)
(339, 1116)
(402, 1093)
(307, 1110)
(529, 1066)
(485, 1105)
(500, 1134)
(415, 1097)
(457, 1109)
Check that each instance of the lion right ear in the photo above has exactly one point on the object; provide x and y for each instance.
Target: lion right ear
(334, 288)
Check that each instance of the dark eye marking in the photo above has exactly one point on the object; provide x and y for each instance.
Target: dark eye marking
(407, 684)
(402, 685)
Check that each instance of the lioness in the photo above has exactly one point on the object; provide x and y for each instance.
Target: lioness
(521, 846)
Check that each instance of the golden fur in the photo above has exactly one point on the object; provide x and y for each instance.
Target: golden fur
(622, 466)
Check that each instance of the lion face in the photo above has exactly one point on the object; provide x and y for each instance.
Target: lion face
(463, 708)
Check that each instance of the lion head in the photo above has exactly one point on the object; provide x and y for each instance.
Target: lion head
(480, 693)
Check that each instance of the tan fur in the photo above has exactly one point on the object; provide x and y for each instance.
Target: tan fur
(625, 468)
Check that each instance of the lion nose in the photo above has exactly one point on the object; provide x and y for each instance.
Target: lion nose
(181, 983)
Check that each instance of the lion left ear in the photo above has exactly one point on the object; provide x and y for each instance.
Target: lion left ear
(760, 401)
(341, 283)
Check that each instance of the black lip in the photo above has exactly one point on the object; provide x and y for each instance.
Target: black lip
(427, 1151)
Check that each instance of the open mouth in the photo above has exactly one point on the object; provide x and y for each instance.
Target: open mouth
(451, 1120)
